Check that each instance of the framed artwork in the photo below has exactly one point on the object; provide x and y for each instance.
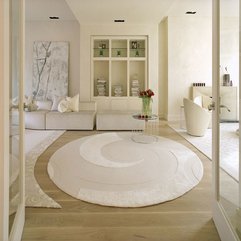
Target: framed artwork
(50, 69)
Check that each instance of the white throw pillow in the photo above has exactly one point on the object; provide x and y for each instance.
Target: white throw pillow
(64, 106)
(44, 104)
(56, 101)
(198, 100)
(69, 104)
(74, 103)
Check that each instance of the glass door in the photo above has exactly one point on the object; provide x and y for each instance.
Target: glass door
(16, 160)
(226, 134)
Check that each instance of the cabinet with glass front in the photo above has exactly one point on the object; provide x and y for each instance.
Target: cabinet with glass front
(119, 48)
(137, 48)
(119, 66)
(101, 48)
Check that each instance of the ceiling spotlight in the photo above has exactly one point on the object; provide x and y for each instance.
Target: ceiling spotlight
(119, 20)
(190, 12)
(54, 17)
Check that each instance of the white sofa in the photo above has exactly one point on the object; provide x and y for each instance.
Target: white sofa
(84, 119)
(36, 119)
(118, 120)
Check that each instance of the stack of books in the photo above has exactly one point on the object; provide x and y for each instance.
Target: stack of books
(101, 87)
(135, 87)
(117, 90)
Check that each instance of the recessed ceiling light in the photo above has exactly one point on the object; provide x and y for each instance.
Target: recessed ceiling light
(54, 17)
(119, 20)
(190, 12)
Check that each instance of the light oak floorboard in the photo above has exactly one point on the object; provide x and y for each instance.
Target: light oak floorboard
(187, 218)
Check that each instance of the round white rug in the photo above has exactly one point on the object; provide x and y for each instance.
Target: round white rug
(111, 169)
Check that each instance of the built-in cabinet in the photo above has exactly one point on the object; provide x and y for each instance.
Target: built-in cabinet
(119, 66)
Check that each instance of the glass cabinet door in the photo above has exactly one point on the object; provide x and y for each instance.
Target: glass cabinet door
(119, 67)
(137, 48)
(119, 48)
(101, 78)
(101, 48)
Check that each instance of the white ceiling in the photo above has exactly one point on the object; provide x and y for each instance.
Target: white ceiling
(40, 10)
(132, 11)
(201, 7)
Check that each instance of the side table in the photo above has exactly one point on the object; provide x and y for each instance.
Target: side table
(144, 137)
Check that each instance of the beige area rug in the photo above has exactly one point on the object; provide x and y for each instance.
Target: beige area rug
(112, 169)
(229, 145)
(36, 142)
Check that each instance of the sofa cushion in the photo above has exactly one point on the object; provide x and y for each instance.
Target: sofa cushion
(82, 120)
(56, 100)
(44, 104)
(118, 120)
(73, 103)
(69, 104)
(35, 119)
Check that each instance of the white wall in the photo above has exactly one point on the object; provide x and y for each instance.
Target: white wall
(189, 59)
(86, 31)
(186, 57)
(229, 48)
(54, 31)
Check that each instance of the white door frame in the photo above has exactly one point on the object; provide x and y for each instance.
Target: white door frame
(18, 224)
(4, 118)
(225, 229)
(5, 64)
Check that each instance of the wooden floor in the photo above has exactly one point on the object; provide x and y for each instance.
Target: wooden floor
(187, 218)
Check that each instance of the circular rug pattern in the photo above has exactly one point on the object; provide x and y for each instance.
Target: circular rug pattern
(111, 169)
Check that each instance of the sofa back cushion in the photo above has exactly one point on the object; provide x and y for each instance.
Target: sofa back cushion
(69, 104)
(56, 100)
(44, 104)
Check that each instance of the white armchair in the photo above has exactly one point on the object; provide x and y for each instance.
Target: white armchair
(197, 118)
(204, 101)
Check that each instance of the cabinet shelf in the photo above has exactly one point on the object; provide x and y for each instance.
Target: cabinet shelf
(101, 53)
(137, 58)
(119, 48)
(101, 58)
(119, 58)
(119, 67)
(137, 53)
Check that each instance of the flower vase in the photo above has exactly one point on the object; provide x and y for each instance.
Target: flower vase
(146, 106)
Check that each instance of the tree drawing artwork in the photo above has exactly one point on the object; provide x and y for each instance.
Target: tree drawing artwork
(41, 63)
(50, 69)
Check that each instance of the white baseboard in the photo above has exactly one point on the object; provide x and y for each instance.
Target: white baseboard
(173, 117)
(162, 116)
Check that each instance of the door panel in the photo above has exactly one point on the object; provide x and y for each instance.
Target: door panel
(226, 138)
(16, 130)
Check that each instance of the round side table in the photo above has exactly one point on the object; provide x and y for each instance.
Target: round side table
(144, 138)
